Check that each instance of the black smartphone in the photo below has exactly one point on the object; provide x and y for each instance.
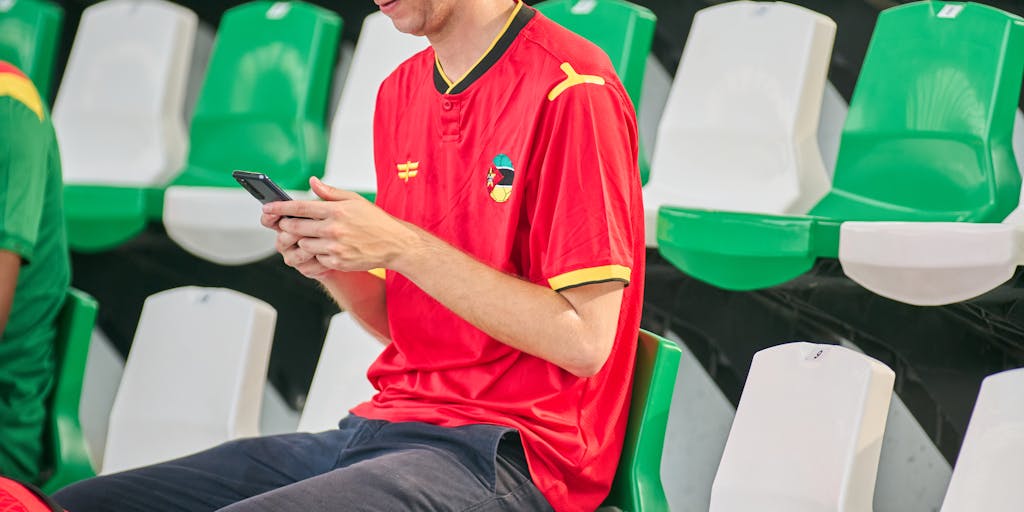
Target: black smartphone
(260, 186)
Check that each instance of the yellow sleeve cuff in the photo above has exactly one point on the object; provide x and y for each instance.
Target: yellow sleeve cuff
(590, 275)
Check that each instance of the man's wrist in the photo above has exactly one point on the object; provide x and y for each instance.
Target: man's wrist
(416, 248)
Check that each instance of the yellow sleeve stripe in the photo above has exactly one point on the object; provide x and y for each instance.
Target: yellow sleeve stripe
(572, 79)
(590, 275)
(379, 272)
(21, 89)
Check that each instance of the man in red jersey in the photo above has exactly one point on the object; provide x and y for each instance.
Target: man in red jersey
(502, 265)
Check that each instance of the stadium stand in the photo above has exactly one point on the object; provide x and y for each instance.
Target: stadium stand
(29, 38)
(740, 127)
(189, 385)
(119, 116)
(938, 353)
(807, 433)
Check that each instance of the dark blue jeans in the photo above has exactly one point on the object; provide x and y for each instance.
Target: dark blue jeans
(364, 465)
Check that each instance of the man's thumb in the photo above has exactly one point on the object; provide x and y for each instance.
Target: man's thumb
(325, 191)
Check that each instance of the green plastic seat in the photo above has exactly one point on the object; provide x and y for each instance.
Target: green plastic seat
(927, 138)
(29, 35)
(264, 100)
(68, 452)
(622, 29)
(637, 485)
(262, 107)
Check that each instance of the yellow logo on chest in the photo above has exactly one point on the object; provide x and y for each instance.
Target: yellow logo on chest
(407, 170)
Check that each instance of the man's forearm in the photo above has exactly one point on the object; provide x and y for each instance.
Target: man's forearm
(535, 319)
(362, 295)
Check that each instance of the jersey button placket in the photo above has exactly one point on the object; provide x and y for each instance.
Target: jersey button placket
(451, 120)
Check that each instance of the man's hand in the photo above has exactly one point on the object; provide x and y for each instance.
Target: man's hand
(294, 256)
(342, 232)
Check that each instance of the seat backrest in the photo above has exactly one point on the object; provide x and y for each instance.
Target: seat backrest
(739, 130)
(622, 29)
(194, 376)
(65, 442)
(263, 102)
(119, 113)
(929, 132)
(637, 485)
(380, 49)
(339, 382)
(29, 36)
(807, 433)
(990, 469)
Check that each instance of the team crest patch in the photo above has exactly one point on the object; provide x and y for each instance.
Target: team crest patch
(500, 177)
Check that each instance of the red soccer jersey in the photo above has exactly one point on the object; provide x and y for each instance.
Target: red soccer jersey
(529, 165)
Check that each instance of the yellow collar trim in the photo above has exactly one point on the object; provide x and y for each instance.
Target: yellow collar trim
(508, 23)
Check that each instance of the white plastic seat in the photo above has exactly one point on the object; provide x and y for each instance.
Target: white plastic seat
(807, 433)
(340, 382)
(935, 263)
(194, 377)
(380, 49)
(119, 114)
(739, 131)
(222, 224)
(990, 468)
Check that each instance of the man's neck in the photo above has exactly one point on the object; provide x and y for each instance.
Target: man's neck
(468, 35)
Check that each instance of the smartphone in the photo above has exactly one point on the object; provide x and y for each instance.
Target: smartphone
(260, 186)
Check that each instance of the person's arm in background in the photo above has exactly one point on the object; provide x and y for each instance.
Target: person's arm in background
(10, 265)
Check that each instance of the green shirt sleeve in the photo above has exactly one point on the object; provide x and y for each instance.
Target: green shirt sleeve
(22, 177)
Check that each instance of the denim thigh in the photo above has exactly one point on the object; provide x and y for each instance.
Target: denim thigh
(363, 465)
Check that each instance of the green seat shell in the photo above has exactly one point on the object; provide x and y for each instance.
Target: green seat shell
(65, 443)
(263, 103)
(637, 486)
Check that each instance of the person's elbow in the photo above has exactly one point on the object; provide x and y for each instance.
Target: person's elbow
(589, 358)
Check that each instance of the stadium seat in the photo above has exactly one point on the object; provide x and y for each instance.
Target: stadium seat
(65, 442)
(622, 29)
(222, 225)
(927, 138)
(194, 377)
(262, 109)
(29, 36)
(739, 131)
(119, 115)
(807, 434)
(637, 486)
(990, 469)
(340, 382)
(935, 263)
